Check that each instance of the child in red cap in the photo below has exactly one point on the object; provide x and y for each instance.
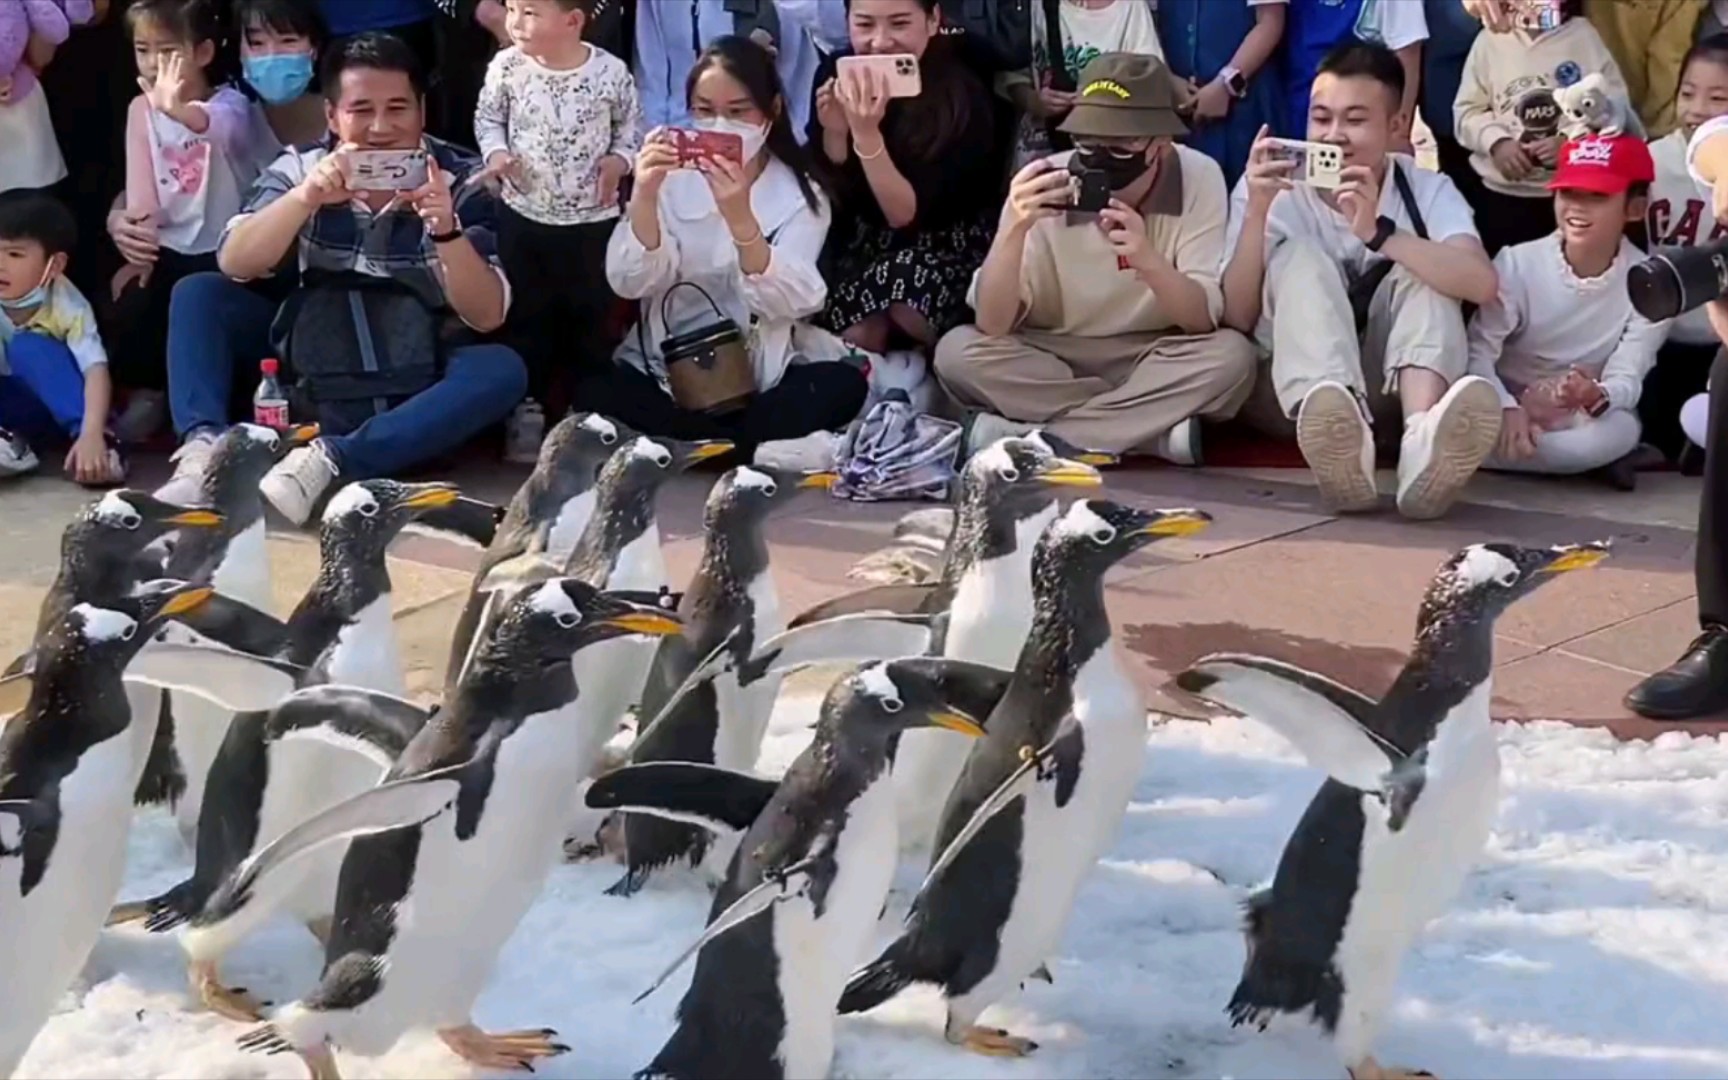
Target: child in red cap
(1563, 346)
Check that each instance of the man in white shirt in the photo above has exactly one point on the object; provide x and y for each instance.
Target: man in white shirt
(1357, 293)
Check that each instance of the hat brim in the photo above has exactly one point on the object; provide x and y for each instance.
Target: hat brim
(1121, 122)
(1604, 183)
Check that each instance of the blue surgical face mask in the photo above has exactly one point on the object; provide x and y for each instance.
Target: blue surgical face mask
(34, 298)
(279, 77)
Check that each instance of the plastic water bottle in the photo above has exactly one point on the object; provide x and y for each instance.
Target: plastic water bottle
(269, 403)
(525, 432)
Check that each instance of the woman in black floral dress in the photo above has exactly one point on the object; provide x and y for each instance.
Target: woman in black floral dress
(917, 180)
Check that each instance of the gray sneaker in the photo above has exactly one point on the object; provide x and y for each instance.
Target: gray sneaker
(186, 486)
(16, 457)
(987, 427)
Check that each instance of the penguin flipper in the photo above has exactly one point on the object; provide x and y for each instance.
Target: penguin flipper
(236, 625)
(719, 800)
(374, 725)
(1327, 721)
(17, 815)
(23, 664)
(1019, 783)
(898, 599)
(395, 804)
(781, 886)
(473, 520)
(15, 693)
(236, 681)
(529, 568)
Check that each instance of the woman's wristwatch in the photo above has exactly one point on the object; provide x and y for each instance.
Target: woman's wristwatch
(1234, 81)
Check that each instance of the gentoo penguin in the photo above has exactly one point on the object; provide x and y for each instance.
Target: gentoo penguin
(978, 610)
(452, 848)
(731, 603)
(235, 559)
(68, 766)
(547, 515)
(261, 782)
(1412, 790)
(809, 878)
(1017, 838)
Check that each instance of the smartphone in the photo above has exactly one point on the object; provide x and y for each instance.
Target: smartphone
(694, 147)
(1088, 191)
(1536, 16)
(386, 170)
(900, 70)
(1317, 164)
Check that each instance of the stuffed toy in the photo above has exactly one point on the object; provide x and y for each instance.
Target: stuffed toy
(51, 20)
(1592, 108)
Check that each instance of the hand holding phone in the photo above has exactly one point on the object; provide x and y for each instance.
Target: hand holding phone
(1316, 164)
(899, 72)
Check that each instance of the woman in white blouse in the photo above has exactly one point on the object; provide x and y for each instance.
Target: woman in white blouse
(747, 238)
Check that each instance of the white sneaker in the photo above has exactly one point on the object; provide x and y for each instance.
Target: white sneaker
(988, 427)
(815, 452)
(298, 481)
(1338, 445)
(1444, 446)
(16, 457)
(186, 486)
(1181, 444)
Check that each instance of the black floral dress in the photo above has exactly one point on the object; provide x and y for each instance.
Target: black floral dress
(928, 265)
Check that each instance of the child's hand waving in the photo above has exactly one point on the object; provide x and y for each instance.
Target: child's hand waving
(171, 90)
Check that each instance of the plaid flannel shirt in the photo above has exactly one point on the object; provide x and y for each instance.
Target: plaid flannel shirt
(394, 245)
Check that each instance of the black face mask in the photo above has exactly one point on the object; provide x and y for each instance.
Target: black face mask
(1122, 171)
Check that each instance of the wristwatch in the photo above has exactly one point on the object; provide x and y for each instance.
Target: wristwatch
(1383, 230)
(455, 233)
(1600, 405)
(1234, 81)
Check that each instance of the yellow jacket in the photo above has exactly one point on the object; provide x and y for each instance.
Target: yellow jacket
(1649, 39)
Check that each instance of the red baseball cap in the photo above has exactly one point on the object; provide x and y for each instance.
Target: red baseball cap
(1606, 166)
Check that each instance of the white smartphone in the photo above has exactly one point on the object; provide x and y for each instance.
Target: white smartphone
(899, 70)
(386, 170)
(1317, 164)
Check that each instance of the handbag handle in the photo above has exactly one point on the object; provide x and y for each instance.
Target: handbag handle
(676, 285)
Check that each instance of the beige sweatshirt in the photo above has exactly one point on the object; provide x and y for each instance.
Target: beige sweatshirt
(1507, 92)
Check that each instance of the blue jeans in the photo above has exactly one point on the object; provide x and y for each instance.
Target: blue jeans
(217, 327)
(43, 398)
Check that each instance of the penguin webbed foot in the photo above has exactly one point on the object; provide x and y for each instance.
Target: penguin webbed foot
(515, 1050)
(1369, 1069)
(234, 1003)
(995, 1042)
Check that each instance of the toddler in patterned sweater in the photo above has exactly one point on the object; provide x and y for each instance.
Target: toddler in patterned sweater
(558, 123)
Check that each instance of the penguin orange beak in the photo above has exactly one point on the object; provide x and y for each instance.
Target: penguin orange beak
(1069, 473)
(1577, 557)
(1177, 523)
(823, 480)
(646, 622)
(434, 497)
(712, 448)
(195, 519)
(182, 602)
(955, 720)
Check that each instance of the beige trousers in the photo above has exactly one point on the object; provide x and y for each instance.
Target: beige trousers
(1114, 394)
(1307, 323)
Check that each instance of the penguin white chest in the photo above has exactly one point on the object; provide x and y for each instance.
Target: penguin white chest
(244, 572)
(744, 711)
(1408, 877)
(567, 527)
(817, 953)
(49, 933)
(641, 564)
(364, 652)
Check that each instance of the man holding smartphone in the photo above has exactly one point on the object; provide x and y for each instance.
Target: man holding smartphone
(1100, 322)
(431, 246)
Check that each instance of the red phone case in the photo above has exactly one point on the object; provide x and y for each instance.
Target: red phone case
(694, 147)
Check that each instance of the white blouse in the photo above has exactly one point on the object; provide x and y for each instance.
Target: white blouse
(696, 247)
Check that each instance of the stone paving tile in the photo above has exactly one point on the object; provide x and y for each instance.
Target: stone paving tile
(1244, 511)
(1557, 686)
(1647, 643)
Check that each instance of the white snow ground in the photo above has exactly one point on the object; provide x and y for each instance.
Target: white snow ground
(1592, 942)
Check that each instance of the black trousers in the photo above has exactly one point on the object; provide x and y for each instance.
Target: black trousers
(1711, 570)
(1680, 372)
(561, 306)
(1504, 220)
(136, 329)
(809, 397)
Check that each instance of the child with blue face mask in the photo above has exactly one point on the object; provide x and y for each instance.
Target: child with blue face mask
(54, 382)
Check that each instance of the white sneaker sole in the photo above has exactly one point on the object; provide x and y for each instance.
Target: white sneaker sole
(1464, 436)
(1331, 433)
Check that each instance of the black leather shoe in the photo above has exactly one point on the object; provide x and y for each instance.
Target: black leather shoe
(1693, 686)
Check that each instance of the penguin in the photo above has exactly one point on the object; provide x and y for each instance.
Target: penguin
(546, 516)
(261, 782)
(979, 609)
(1412, 789)
(1039, 801)
(731, 603)
(68, 766)
(452, 848)
(810, 875)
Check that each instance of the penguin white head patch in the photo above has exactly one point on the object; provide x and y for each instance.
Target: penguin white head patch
(104, 624)
(995, 459)
(353, 499)
(874, 681)
(116, 513)
(551, 599)
(1083, 521)
(645, 447)
(260, 434)
(1484, 566)
(599, 425)
(746, 477)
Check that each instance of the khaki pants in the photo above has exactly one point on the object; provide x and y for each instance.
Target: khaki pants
(1307, 323)
(1113, 394)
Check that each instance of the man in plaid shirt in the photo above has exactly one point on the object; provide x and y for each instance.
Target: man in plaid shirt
(438, 244)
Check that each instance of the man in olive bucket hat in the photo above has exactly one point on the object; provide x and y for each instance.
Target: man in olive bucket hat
(1101, 325)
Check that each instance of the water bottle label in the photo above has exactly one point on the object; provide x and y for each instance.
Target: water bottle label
(271, 414)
